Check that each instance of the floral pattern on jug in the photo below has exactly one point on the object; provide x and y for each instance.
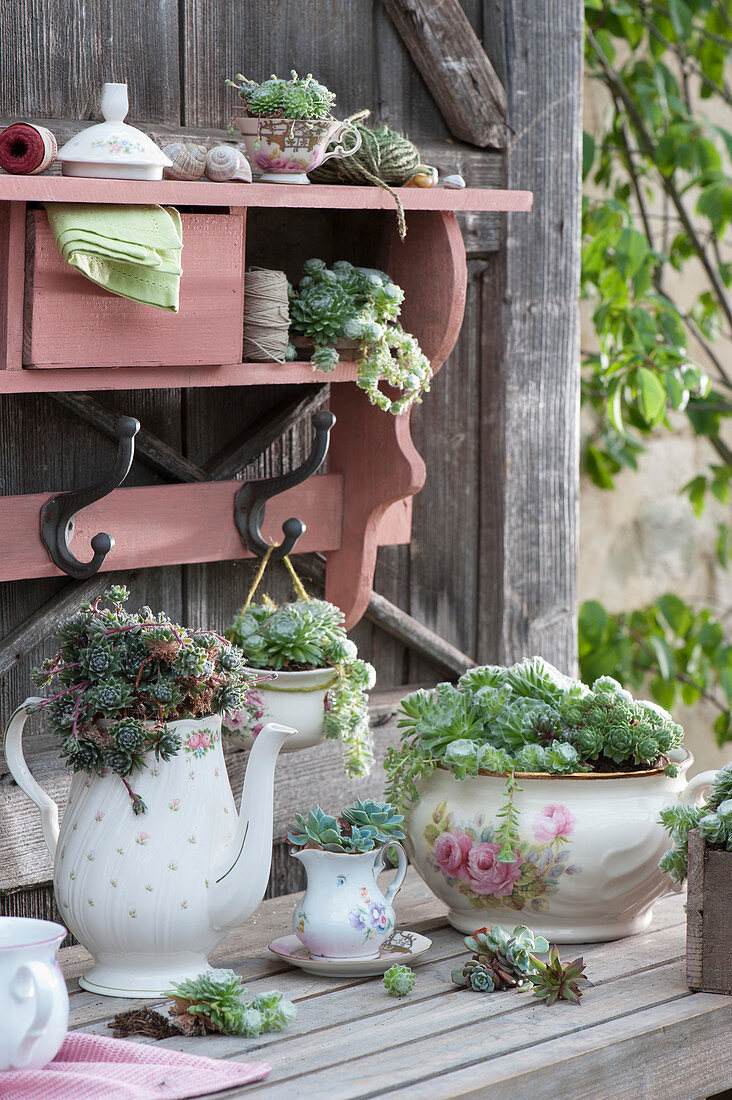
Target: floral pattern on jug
(467, 856)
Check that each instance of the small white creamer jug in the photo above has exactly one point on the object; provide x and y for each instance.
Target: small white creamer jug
(344, 914)
(34, 1004)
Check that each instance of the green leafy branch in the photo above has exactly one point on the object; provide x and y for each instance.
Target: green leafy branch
(680, 653)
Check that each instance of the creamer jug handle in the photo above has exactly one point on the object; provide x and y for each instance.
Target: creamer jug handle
(13, 749)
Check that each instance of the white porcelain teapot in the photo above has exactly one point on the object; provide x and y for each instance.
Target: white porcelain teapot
(151, 895)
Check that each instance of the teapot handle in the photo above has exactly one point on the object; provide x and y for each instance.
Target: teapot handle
(395, 885)
(693, 790)
(345, 127)
(13, 749)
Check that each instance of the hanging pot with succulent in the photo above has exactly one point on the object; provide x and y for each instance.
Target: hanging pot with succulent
(317, 681)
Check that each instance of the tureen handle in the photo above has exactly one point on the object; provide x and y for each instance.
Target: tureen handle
(695, 787)
(13, 748)
(395, 885)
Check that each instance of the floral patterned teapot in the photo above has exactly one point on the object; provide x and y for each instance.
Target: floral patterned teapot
(344, 914)
(152, 894)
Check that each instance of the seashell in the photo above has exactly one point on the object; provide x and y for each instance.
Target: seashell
(224, 162)
(455, 182)
(189, 160)
(424, 175)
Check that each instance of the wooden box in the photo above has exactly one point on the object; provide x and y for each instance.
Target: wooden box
(71, 322)
(709, 918)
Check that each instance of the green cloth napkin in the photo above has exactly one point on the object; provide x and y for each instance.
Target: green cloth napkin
(133, 251)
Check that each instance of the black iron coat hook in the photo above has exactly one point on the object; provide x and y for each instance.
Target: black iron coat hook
(57, 514)
(252, 497)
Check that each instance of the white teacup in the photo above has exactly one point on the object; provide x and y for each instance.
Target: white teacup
(34, 1004)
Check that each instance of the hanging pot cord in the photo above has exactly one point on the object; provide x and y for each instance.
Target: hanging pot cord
(302, 594)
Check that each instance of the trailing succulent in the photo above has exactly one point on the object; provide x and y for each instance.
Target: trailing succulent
(526, 718)
(310, 634)
(120, 678)
(500, 959)
(360, 828)
(215, 1001)
(298, 98)
(363, 304)
(713, 819)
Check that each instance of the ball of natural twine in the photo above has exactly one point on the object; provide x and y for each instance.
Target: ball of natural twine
(386, 159)
(266, 315)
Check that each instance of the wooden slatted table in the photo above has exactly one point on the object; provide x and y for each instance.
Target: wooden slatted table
(639, 1033)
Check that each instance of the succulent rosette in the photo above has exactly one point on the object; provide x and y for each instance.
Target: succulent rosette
(119, 679)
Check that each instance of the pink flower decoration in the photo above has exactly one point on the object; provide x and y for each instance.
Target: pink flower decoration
(195, 741)
(485, 875)
(553, 821)
(451, 853)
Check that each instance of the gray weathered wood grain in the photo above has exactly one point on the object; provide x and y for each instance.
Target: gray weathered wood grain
(57, 55)
(352, 1041)
(709, 917)
(530, 398)
(458, 73)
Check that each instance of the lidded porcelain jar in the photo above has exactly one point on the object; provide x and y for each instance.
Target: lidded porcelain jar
(112, 149)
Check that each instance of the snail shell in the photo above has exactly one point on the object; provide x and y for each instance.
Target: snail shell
(224, 162)
(454, 182)
(189, 160)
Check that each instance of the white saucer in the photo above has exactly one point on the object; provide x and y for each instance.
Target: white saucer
(400, 947)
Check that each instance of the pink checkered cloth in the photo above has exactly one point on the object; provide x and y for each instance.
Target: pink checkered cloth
(92, 1067)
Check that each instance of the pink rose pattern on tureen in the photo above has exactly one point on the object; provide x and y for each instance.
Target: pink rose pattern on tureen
(467, 855)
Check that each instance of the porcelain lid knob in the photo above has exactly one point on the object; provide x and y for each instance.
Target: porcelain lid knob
(115, 103)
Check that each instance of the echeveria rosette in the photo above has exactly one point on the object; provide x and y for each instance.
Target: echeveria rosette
(399, 980)
(360, 828)
(501, 959)
(311, 633)
(301, 99)
(363, 304)
(119, 678)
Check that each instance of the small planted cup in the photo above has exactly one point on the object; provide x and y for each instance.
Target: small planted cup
(285, 149)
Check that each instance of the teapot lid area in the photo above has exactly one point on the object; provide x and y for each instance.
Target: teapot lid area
(113, 141)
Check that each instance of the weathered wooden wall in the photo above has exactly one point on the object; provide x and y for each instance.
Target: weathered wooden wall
(492, 564)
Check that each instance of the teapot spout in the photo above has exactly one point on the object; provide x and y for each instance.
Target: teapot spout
(241, 870)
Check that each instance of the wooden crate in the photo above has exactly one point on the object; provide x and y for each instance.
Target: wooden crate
(709, 918)
(69, 321)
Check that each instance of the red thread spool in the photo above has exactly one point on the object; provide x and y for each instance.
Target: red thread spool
(26, 150)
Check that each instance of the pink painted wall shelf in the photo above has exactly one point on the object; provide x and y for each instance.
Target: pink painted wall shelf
(59, 332)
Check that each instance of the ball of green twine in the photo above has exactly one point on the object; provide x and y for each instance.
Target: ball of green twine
(386, 159)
